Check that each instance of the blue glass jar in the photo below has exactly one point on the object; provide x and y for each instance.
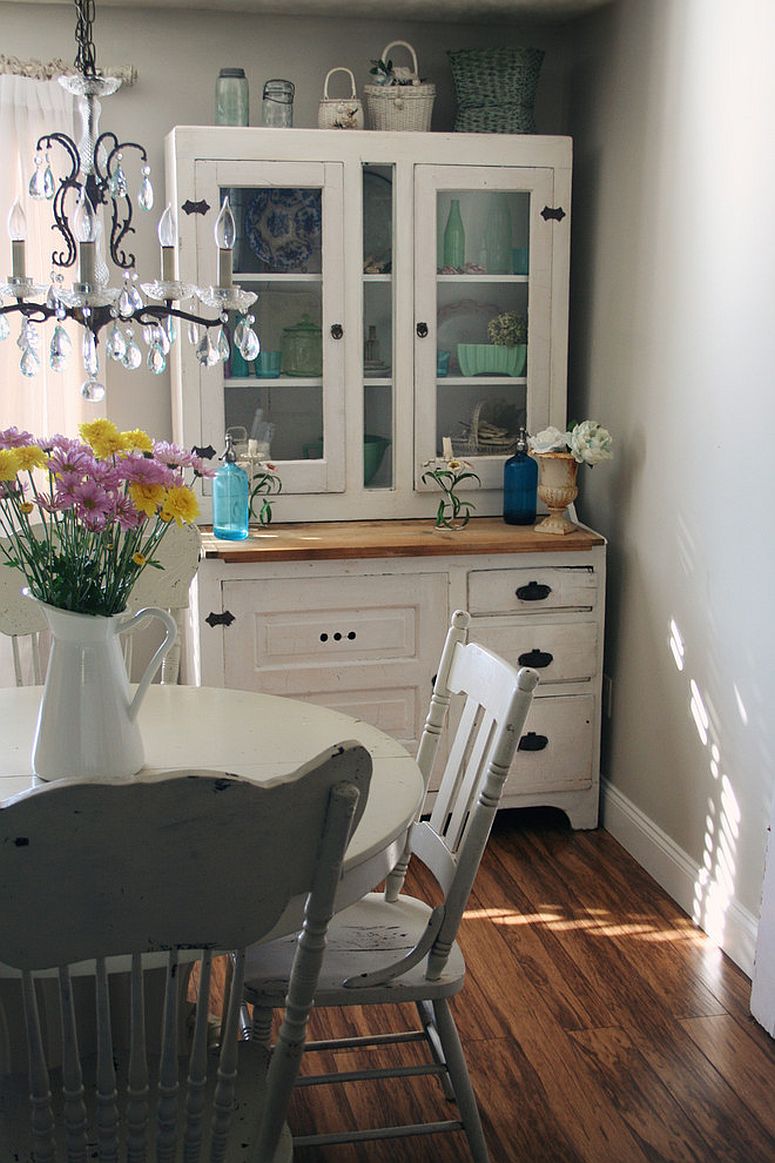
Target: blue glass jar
(520, 484)
(231, 502)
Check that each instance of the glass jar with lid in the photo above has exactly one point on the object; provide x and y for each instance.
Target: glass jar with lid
(231, 97)
(277, 105)
(302, 348)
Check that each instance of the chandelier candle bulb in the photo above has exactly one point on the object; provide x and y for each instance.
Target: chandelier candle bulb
(225, 237)
(167, 236)
(17, 229)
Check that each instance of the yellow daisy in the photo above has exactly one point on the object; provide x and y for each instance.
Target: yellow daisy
(146, 498)
(103, 437)
(179, 505)
(30, 456)
(135, 438)
(9, 464)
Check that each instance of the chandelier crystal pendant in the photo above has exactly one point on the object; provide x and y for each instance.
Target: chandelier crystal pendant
(93, 211)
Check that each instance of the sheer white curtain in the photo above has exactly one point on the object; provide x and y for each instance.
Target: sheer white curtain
(50, 401)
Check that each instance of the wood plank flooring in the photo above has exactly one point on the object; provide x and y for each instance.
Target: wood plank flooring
(599, 1025)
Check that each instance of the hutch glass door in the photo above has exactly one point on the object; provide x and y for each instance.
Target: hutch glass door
(482, 298)
(289, 251)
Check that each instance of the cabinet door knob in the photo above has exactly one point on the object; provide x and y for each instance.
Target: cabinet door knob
(337, 331)
(536, 658)
(533, 592)
(532, 742)
(422, 330)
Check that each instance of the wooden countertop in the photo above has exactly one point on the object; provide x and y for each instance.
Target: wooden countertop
(330, 540)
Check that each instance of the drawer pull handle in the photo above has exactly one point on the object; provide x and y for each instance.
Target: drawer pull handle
(533, 592)
(422, 330)
(537, 658)
(533, 742)
(337, 331)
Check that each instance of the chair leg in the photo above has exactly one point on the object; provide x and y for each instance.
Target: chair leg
(458, 1071)
(425, 1010)
(261, 1029)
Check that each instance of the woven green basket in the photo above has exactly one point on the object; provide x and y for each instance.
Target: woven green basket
(495, 76)
(496, 119)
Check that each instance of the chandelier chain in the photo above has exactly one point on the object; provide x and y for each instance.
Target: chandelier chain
(85, 60)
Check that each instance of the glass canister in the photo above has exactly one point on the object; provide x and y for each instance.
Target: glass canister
(277, 105)
(302, 349)
(231, 97)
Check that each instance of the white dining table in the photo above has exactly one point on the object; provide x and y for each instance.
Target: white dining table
(259, 737)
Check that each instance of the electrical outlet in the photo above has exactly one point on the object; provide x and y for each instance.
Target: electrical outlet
(608, 696)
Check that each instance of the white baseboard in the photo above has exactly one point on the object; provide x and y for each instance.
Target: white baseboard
(677, 874)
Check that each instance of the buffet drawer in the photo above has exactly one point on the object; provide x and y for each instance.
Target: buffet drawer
(557, 745)
(529, 591)
(565, 652)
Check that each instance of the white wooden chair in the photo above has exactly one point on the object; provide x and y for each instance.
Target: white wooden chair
(168, 588)
(99, 877)
(391, 948)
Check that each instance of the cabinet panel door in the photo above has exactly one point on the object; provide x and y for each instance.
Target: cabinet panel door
(290, 252)
(367, 646)
(483, 330)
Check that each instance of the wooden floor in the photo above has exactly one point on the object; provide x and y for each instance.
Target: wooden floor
(598, 1023)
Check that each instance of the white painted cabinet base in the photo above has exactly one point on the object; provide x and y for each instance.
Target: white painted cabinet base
(363, 634)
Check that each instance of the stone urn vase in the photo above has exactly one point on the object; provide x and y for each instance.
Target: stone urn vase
(557, 489)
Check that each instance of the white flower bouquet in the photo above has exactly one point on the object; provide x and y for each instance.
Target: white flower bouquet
(587, 442)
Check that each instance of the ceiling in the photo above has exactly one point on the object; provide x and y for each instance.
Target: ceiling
(460, 11)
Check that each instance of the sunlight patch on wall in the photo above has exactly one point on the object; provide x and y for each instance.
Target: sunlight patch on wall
(714, 888)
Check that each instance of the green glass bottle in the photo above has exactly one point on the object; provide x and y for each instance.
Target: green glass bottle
(454, 237)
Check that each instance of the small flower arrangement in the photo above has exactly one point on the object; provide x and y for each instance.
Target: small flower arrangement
(587, 442)
(384, 73)
(84, 518)
(264, 483)
(452, 513)
(507, 330)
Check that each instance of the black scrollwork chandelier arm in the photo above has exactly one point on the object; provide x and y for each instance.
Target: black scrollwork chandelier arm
(66, 257)
(99, 317)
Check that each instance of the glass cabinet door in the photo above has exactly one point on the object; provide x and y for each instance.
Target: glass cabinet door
(289, 252)
(482, 298)
(378, 391)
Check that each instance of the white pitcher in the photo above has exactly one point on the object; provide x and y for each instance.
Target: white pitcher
(87, 724)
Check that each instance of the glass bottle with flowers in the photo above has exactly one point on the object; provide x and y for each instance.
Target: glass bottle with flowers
(264, 486)
(80, 520)
(559, 455)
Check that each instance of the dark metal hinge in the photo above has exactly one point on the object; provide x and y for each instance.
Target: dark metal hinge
(190, 207)
(553, 212)
(204, 453)
(224, 619)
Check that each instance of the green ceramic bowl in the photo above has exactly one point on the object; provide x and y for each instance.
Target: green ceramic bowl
(374, 449)
(490, 359)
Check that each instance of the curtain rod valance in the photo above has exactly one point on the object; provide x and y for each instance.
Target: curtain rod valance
(49, 70)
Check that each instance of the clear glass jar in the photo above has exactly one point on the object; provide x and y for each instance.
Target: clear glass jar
(231, 97)
(277, 105)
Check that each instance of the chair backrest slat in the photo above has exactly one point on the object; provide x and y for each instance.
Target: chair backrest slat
(85, 870)
(138, 1086)
(74, 1107)
(193, 1132)
(42, 1114)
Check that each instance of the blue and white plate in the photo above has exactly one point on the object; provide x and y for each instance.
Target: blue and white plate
(283, 228)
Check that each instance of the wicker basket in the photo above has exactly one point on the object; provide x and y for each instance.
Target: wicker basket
(496, 119)
(495, 88)
(492, 430)
(403, 107)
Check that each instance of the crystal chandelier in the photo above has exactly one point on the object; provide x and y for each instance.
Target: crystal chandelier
(93, 210)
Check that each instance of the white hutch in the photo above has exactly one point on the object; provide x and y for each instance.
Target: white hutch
(345, 598)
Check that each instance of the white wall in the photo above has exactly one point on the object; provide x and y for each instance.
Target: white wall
(673, 348)
(178, 54)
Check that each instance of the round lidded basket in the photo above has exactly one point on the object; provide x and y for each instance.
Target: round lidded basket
(495, 88)
(402, 107)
